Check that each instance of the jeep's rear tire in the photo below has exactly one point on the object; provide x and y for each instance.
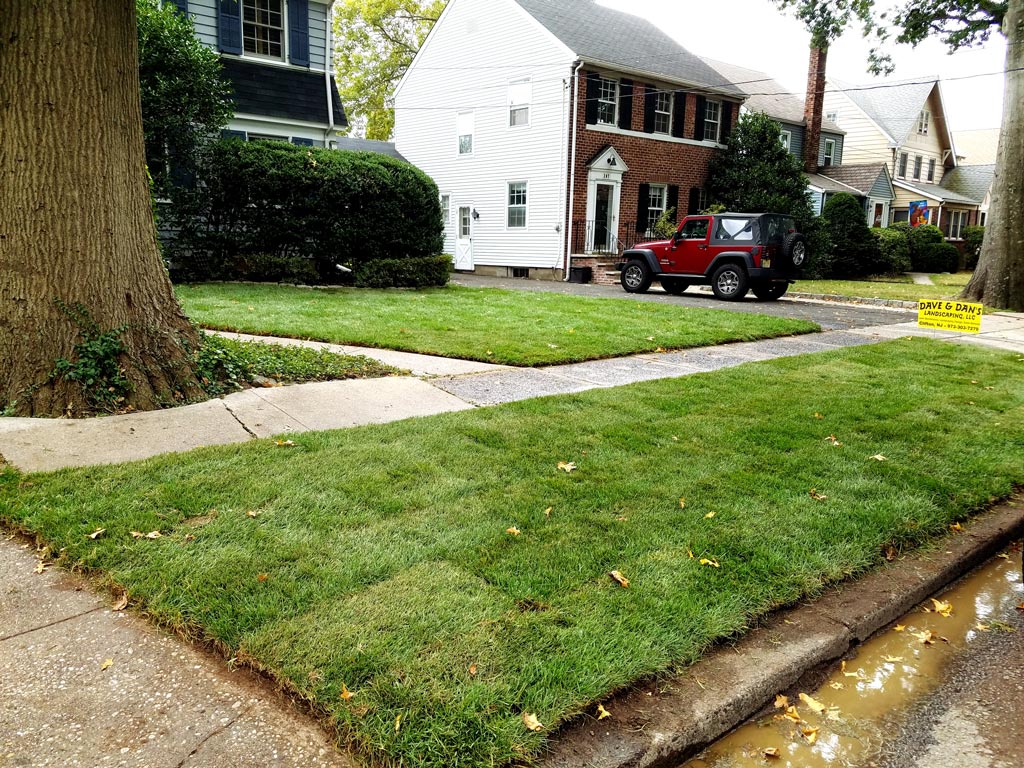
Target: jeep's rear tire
(674, 285)
(794, 250)
(730, 282)
(636, 277)
(770, 291)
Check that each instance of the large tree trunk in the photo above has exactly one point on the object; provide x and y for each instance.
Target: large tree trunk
(75, 221)
(999, 279)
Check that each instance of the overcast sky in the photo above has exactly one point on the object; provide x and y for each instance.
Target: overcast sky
(755, 34)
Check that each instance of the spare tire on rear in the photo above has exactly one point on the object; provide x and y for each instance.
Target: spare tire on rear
(794, 250)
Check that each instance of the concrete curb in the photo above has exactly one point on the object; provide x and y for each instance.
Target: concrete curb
(835, 298)
(664, 722)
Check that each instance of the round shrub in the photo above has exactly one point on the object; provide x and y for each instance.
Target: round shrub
(330, 207)
(937, 257)
(973, 236)
(893, 252)
(854, 250)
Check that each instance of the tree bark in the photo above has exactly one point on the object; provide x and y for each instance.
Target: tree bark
(999, 279)
(75, 219)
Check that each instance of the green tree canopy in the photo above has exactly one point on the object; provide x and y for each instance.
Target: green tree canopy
(757, 173)
(185, 96)
(375, 41)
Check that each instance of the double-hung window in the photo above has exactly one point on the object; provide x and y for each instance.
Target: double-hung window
(446, 208)
(786, 137)
(517, 191)
(902, 170)
(931, 169)
(922, 122)
(918, 160)
(957, 220)
(830, 152)
(520, 94)
(658, 196)
(712, 120)
(662, 112)
(263, 28)
(607, 101)
(465, 123)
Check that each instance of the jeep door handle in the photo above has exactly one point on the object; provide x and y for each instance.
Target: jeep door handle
(702, 247)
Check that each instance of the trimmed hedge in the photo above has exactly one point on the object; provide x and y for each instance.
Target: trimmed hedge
(421, 272)
(937, 257)
(894, 252)
(273, 200)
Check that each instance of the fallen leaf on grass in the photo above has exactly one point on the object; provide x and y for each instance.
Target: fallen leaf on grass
(97, 533)
(106, 665)
(472, 670)
(956, 527)
(818, 416)
(121, 603)
(781, 702)
(771, 753)
(150, 535)
(398, 723)
(650, 338)
(513, 530)
(602, 713)
(285, 443)
(253, 513)
(892, 659)
(890, 553)
(878, 457)
(567, 466)
(531, 722)
(262, 577)
(927, 637)
(834, 441)
(346, 694)
(942, 608)
(689, 553)
(814, 704)
(709, 515)
(817, 496)
(675, 439)
(547, 512)
(709, 561)
(682, 503)
(811, 734)
(620, 579)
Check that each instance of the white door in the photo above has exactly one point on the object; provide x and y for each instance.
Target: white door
(464, 239)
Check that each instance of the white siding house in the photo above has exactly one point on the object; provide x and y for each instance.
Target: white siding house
(484, 112)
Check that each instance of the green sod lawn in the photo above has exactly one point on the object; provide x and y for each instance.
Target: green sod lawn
(510, 327)
(901, 288)
(379, 561)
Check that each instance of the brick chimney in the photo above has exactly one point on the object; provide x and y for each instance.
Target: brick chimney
(813, 107)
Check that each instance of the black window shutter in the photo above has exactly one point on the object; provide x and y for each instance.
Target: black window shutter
(182, 6)
(229, 26)
(298, 32)
(726, 121)
(673, 201)
(699, 118)
(626, 104)
(694, 201)
(593, 93)
(643, 202)
(678, 114)
(650, 102)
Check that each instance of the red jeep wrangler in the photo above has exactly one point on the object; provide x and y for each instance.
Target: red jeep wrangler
(733, 252)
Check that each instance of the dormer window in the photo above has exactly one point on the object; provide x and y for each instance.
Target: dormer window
(922, 122)
(263, 27)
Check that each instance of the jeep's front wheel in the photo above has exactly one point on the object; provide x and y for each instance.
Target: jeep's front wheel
(730, 282)
(636, 277)
(674, 285)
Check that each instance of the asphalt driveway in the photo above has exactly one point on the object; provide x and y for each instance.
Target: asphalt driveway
(830, 316)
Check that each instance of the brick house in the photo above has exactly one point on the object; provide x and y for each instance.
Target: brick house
(557, 132)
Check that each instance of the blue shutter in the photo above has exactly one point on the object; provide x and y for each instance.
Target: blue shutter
(229, 26)
(298, 32)
(182, 6)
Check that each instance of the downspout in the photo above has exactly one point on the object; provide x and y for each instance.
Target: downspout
(939, 225)
(572, 170)
(328, 67)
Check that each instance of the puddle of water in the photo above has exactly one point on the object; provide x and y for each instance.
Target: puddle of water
(863, 699)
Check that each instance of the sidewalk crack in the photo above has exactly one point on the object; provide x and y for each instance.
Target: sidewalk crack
(5, 638)
(240, 422)
(215, 732)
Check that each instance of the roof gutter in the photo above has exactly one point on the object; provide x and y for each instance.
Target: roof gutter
(327, 76)
(567, 255)
(735, 93)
